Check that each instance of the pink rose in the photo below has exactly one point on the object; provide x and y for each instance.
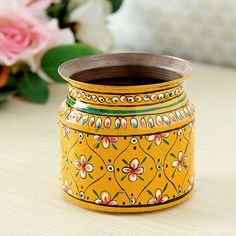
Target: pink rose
(19, 40)
(24, 37)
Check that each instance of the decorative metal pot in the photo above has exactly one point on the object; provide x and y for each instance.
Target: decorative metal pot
(126, 132)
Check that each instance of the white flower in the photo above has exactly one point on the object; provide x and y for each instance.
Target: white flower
(91, 27)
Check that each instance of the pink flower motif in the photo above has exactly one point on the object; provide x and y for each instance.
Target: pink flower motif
(180, 162)
(66, 188)
(158, 138)
(65, 130)
(83, 166)
(106, 140)
(158, 198)
(105, 199)
(133, 170)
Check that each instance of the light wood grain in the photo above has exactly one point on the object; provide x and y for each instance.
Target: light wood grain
(31, 202)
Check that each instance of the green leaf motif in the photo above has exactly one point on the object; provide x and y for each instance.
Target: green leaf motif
(150, 193)
(33, 88)
(164, 189)
(90, 175)
(53, 58)
(185, 166)
(95, 193)
(77, 173)
(140, 178)
(89, 159)
(123, 177)
(149, 146)
(173, 155)
(173, 173)
(116, 195)
(76, 155)
(114, 146)
(165, 141)
(144, 159)
(97, 145)
(186, 148)
(125, 162)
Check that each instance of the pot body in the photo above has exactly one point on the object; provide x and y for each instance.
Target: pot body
(123, 151)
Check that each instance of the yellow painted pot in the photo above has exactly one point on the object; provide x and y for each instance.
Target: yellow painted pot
(126, 132)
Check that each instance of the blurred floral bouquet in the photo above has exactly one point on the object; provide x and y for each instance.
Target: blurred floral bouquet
(36, 36)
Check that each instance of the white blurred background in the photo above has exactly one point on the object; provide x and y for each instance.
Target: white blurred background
(200, 30)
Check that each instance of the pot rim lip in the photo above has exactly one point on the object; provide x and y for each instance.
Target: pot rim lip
(171, 63)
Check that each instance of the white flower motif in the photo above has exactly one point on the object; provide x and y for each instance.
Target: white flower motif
(105, 199)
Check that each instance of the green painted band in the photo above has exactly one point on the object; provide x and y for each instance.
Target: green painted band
(97, 111)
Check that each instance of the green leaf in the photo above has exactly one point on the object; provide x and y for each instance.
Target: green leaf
(173, 173)
(150, 193)
(97, 145)
(53, 58)
(116, 195)
(33, 88)
(114, 146)
(185, 166)
(149, 146)
(90, 175)
(173, 155)
(165, 141)
(140, 178)
(89, 158)
(11, 82)
(76, 155)
(186, 148)
(164, 189)
(116, 4)
(123, 177)
(58, 10)
(77, 173)
(95, 193)
(125, 162)
(144, 159)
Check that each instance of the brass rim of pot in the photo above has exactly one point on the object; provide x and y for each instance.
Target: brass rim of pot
(125, 72)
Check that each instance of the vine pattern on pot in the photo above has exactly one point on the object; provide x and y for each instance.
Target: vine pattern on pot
(131, 176)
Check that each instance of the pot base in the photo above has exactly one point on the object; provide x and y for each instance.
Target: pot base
(126, 209)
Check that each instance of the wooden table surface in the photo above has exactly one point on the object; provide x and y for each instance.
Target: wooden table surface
(31, 202)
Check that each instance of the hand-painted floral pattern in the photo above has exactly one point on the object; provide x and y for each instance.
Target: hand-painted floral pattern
(158, 138)
(158, 198)
(65, 129)
(105, 140)
(180, 162)
(133, 170)
(105, 199)
(83, 166)
(66, 188)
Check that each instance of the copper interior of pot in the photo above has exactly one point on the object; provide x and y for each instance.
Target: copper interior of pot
(125, 69)
(126, 75)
